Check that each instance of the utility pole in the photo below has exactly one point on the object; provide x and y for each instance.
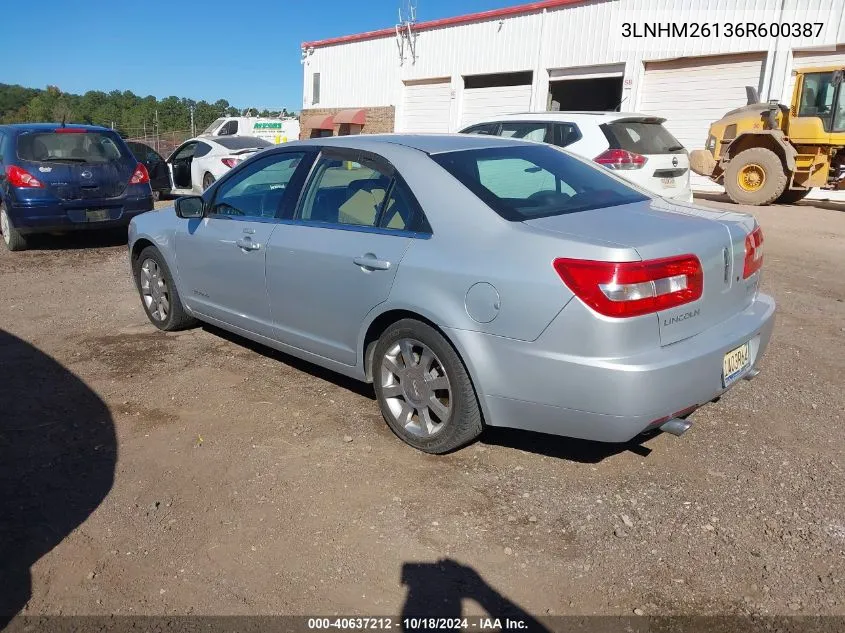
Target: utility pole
(156, 130)
(193, 131)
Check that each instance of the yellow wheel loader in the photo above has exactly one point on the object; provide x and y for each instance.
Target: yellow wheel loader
(768, 152)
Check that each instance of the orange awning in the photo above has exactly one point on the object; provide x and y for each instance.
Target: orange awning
(319, 122)
(356, 116)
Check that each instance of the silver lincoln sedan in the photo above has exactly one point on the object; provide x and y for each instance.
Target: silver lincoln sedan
(473, 280)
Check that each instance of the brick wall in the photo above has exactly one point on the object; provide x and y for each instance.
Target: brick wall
(379, 120)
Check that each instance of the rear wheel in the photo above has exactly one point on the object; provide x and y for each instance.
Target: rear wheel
(12, 238)
(791, 196)
(755, 176)
(423, 389)
(158, 292)
(207, 181)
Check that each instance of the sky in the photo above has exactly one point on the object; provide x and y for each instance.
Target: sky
(245, 52)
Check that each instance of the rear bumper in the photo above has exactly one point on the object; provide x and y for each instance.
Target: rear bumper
(44, 217)
(526, 385)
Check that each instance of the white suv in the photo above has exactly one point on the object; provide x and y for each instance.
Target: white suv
(637, 146)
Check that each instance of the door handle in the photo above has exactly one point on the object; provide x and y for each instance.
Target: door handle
(247, 244)
(370, 262)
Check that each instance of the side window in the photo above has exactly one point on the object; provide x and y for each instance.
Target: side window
(484, 128)
(566, 134)
(187, 151)
(399, 212)
(202, 149)
(230, 129)
(344, 192)
(527, 131)
(259, 190)
(817, 97)
(2, 147)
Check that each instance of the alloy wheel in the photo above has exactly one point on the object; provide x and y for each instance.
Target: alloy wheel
(416, 388)
(154, 290)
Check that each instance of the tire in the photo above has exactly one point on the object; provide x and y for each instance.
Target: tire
(151, 269)
(763, 174)
(12, 238)
(437, 376)
(207, 181)
(791, 196)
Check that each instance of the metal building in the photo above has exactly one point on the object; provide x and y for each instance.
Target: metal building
(442, 75)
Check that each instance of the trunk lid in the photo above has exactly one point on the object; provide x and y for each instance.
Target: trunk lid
(659, 228)
(82, 181)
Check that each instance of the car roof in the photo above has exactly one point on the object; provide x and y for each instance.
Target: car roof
(49, 127)
(568, 115)
(428, 143)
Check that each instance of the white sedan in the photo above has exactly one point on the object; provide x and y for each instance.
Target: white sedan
(198, 162)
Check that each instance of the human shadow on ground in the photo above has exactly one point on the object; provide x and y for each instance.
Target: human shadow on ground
(57, 462)
(437, 590)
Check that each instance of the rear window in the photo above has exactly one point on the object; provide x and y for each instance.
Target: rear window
(71, 147)
(242, 142)
(641, 137)
(521, 183)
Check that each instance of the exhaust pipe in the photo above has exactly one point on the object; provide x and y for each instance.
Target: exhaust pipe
(751, 374)
(675, 426)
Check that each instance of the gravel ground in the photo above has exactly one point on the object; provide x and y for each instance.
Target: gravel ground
(197, 473)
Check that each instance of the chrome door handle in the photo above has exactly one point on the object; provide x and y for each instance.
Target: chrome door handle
(370, 262)
(247, 244)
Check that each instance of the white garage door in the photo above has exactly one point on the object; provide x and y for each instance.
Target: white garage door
(427, 106)
(482, 103)
(806, 59)
(691, 93)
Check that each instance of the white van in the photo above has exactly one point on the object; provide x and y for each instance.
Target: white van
(274, 130)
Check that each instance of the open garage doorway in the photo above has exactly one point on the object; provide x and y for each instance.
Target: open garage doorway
(589, 88)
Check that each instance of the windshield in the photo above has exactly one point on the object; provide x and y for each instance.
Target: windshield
(521, 183)
(242, 142)
(217, 123)
(72, 146)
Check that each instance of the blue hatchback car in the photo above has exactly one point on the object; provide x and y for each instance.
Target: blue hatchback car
(56, 178)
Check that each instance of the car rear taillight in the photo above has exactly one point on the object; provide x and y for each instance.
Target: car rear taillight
(140, 176)
(753, 253)
(620, 159)
(628, 289)
(22, 178)
(230, 162)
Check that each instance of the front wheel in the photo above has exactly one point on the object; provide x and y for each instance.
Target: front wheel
(12, 238)
(158, 292)
(423, 389)
(755, 176)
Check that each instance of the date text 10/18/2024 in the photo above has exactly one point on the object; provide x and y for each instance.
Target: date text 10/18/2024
(720, 29)
(419, 624)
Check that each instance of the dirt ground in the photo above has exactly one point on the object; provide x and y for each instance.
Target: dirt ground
(196, 473)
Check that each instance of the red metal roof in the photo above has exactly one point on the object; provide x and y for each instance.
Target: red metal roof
(459, 19)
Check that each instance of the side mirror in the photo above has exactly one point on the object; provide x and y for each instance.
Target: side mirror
(190, 207)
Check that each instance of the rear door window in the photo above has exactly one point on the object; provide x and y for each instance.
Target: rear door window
(202, 149)
(527, 131)
(566, 134)
(524, 182)
(70, 147)
(641, 137)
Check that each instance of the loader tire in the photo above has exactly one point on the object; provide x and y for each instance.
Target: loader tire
(791, 196)
(755, 176)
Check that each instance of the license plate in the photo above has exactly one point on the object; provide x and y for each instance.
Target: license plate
(734, 364)
(97, 215)
(668, 183)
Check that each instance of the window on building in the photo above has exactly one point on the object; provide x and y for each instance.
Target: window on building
(315, 88)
